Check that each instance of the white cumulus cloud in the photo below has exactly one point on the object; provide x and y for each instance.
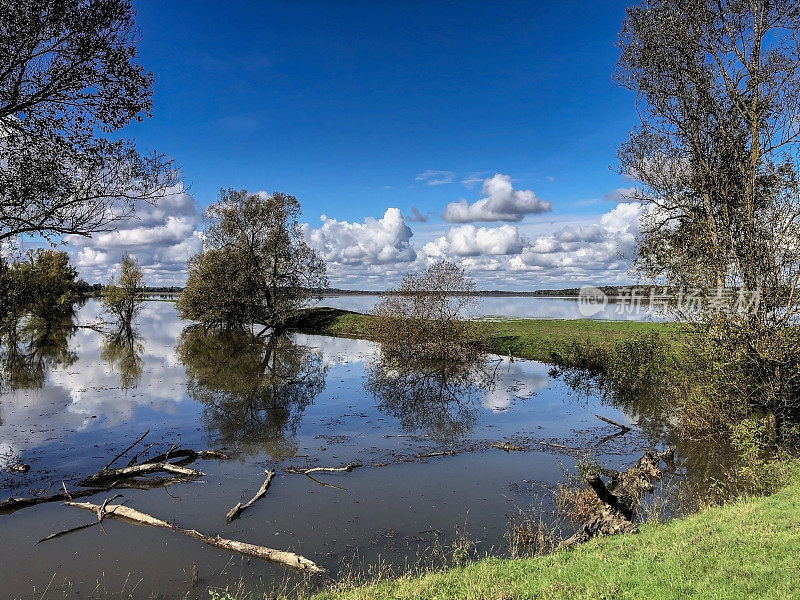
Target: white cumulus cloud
(161, 237)
(467, 240)
(373, 242)
(501, 202)
(607, 246)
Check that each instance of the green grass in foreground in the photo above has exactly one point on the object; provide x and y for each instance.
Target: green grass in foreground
(747, 549)
(536, 339)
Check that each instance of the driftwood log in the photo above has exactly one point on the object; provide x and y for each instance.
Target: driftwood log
(623, 427)
(262, 491)
(616, 510)
(128, 477)
(124, 513)
(138, 470)
(345, 469)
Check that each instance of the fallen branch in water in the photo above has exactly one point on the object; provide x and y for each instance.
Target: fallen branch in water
(559, 446)
(11, 504)
(287, 559)
(323, 484)
(126, 477)
(137, 470)
(345, 469)
(624, 428)
(101, 512)
(187, 454)
(124, 452)
(435, 454)
(155, 464)
(262, 491)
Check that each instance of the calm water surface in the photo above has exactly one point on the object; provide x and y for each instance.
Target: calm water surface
(529, 307)
(74, 402)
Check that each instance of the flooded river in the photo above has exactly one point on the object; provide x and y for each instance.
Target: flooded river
(69, 404)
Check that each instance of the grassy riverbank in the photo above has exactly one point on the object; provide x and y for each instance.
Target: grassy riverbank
(747, 549)
(537, 339)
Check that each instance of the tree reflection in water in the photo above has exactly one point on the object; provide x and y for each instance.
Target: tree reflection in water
(651, 397)
(122, 349)
(439, 398)
(254, 389)
(32, 350)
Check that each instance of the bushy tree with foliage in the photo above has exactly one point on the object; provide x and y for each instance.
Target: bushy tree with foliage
(122, 296)
(53, 288)
(42, 287)
(255, 267)
(718, 87)
(426, 314)
(430, 373)
(68, 82)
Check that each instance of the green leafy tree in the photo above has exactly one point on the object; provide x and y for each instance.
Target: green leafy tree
(40, 287)
(52, 285)
(122, 298)
(718, 87)
(68, 82)
(255, 268)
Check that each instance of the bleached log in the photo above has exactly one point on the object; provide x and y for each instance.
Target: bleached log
(137, 470)
(281, 557)
(239, 508)
(345, 469)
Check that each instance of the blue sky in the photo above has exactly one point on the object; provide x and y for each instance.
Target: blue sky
(361, 107)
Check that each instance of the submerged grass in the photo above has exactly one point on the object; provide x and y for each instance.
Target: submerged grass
(747, 549)
(536, 339)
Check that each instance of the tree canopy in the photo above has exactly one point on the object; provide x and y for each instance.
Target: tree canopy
(718, 85)
(42, 287)
(255, 268)
(122, 297)
(425, 315)
(68, 80)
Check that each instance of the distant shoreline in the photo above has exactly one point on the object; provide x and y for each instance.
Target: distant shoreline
(610, 291)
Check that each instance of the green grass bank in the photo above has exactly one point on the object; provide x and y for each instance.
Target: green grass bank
(747, 549)
(536, 339)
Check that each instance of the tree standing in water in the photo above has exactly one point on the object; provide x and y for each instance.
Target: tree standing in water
(255, 267)
(122, 298)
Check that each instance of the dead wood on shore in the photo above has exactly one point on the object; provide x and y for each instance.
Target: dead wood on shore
(262, 491)
(618, 501)
(281, 557)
